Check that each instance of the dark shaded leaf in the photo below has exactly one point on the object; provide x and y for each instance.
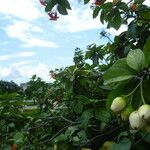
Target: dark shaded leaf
(62, 10)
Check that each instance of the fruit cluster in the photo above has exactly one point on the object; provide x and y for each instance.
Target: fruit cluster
(138, 119)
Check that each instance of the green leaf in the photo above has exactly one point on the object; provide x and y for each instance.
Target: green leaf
(108, 5)
(82, 134)
(50, 5)
(147, 138)
(116, 20)
(96, 12)
(136, 59)
(86, 116)
(125, 144)
(102, 115)
(118, 72)
(145, 15)
(132, 30)
(84, 100)
(62, 10)
(78, 107)
(147, 50)
(61, 138)
(123, 6)
(76, 139)
(18, 137)
(7, 147)
(102, 17)
(86, 1)
(66, 4)
(70, 131)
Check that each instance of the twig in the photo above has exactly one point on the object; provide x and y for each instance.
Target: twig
(98, 136)
(48, 140)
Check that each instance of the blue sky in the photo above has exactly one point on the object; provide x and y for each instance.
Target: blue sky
(32, 44)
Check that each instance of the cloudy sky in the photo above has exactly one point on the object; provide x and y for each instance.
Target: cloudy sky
(32, 44)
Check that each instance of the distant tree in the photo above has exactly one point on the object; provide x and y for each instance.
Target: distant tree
(9, 87)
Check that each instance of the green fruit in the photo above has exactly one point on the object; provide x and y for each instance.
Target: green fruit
(126, 113)
(144, 112)
(136, 121)
(55, 147)
(107, 145)
(118, 104)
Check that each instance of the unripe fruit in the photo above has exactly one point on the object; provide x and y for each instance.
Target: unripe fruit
(86, 149)
(106, 145)
(118, 104)
(55, 147)
(126, 113)
(144, 112)
(136, 121)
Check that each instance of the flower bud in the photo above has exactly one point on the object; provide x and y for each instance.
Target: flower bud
(118, 104)
(136, 121)
(144, 112)
(126, 113)
(107, 145)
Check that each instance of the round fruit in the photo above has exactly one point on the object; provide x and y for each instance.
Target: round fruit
(97, 2)
(106, 145)
(86, 149)
(133, 7)
(136, 121)
(118, 104)
(126, 113)
(144, 111)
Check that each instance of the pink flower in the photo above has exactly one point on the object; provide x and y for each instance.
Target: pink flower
(43, 2)
(53, 16)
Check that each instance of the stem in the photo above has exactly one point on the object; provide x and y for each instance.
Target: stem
(131, 99)
(133, 90)
(142, 91)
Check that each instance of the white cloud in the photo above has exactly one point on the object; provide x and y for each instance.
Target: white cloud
(79, 19)
(22, 71)
(22, 63)
(31, 42)
(147, 2)
(23, 14)
(5, 57)
(22, 9)
(5, 72)
(22, 30)
(26, 54)
(17, 55)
